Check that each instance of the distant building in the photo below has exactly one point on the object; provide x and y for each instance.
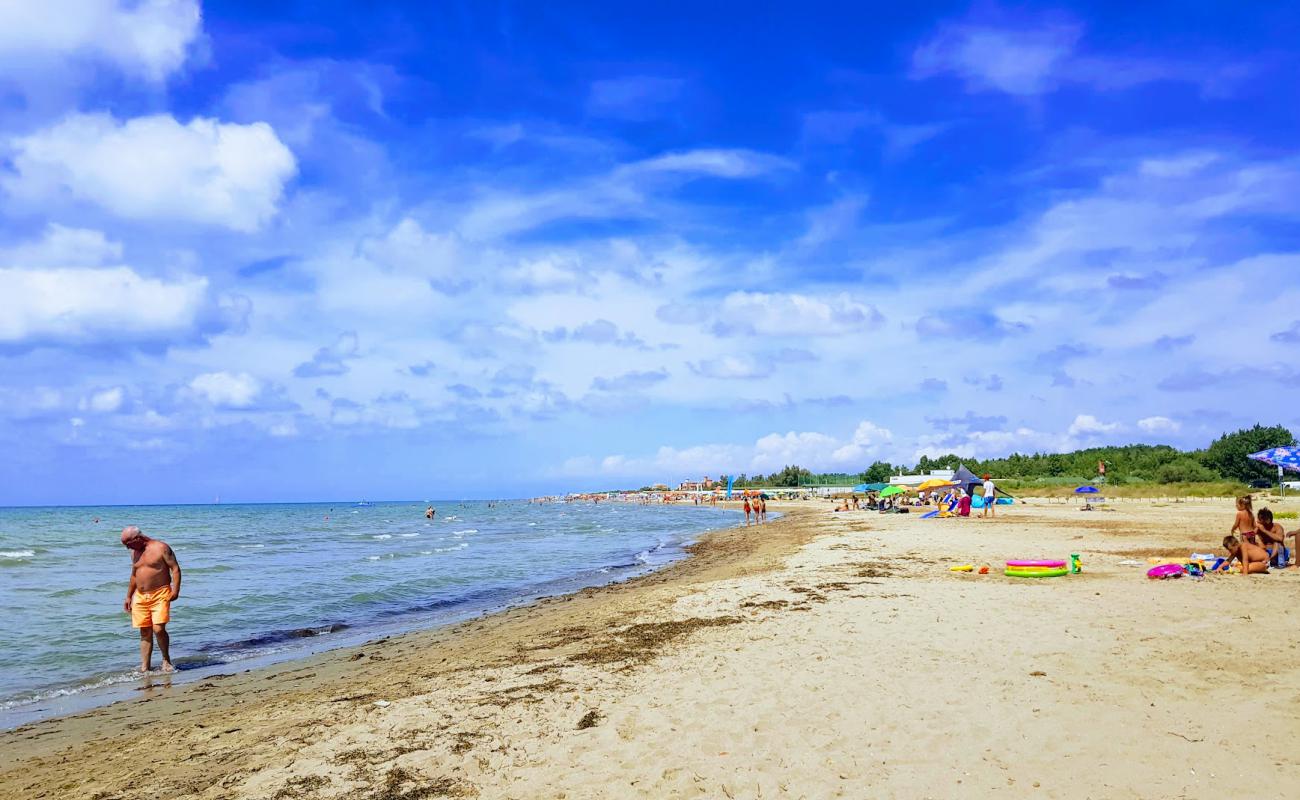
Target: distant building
(914, 480)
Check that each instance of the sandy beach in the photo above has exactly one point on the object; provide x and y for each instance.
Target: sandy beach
(821, 655)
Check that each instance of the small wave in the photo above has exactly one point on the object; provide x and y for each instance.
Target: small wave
(251, 546)
(372, 558)
(460, 546)
(16, 554)
(382, 536)
(408, 535)
(467, 530)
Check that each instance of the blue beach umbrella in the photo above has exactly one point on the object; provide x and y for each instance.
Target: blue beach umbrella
(1086, 490)
(1284, 457)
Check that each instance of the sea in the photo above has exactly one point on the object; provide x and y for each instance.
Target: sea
(271, 582)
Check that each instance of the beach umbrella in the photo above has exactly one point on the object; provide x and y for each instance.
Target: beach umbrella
(875, 487)
(1280, 457)
(1086, 490)
(1284, 457)
(890, 491)
(861, 487)
(936, 483)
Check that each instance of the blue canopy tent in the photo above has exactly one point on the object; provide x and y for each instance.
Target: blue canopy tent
(1287, 457)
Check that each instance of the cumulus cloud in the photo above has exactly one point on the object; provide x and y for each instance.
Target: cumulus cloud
(226, 389)
(630, 381)
(146, 38)
(730, 367)
(105, 401)
(810, 449)
(1159, 425)
(79, 306)
(329, 360)
(69, 288)
(155, 168)
(1088, 425)
(408, 247)
(777, 314)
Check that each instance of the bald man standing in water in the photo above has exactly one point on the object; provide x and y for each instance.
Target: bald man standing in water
(155, 583)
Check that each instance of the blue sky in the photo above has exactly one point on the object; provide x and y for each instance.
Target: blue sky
(390, 250)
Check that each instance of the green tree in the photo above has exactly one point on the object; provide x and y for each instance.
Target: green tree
(1183, 470)
(1227, 454)
(878, 472)
(792, 476)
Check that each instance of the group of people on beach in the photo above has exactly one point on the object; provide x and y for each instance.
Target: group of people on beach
(757, 508)
(1262, 543)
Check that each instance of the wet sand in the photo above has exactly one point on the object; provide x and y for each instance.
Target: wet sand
(821, 655)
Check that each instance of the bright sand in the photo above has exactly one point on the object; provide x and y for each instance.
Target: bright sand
(822, 655)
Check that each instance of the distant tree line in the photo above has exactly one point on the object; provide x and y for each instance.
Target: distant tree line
(1225, 459)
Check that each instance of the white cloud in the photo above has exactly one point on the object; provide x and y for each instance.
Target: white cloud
(105, 401)
(226, 389)
(1088, 425)
(408, 247)
(69, 288)
(797, 314)
(1020, 62)
(75, 306)
(809, 449)
(148, 38)
(714, 162)
(1158, 425)
(730, 367)
(155, 168)
(1038, 57)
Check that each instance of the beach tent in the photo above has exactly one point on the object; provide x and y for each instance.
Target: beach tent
(966, 478)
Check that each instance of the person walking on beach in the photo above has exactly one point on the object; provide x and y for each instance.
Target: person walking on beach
(748, 510)
(990, 496)
(155, 583)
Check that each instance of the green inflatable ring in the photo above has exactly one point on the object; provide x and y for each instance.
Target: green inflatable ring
(1036, 573)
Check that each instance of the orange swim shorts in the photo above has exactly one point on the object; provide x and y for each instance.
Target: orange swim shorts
(151, 608)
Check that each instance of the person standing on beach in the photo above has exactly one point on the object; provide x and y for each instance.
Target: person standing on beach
(748, 510)
(990, 496)
(155, 583)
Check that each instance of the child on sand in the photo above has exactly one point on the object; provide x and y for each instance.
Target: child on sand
(1253, 558)
(1244, 522)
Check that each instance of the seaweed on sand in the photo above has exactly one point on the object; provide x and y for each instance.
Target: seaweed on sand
(643, 640)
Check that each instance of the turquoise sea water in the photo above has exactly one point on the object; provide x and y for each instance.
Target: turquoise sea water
(269, 582)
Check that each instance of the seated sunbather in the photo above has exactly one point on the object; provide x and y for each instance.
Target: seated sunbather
(1253, 558)
(1271, 535)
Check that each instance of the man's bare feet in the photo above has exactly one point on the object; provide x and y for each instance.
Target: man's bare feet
(167, 667)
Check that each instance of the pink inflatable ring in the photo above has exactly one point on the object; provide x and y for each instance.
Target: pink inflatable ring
(1053, 564)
